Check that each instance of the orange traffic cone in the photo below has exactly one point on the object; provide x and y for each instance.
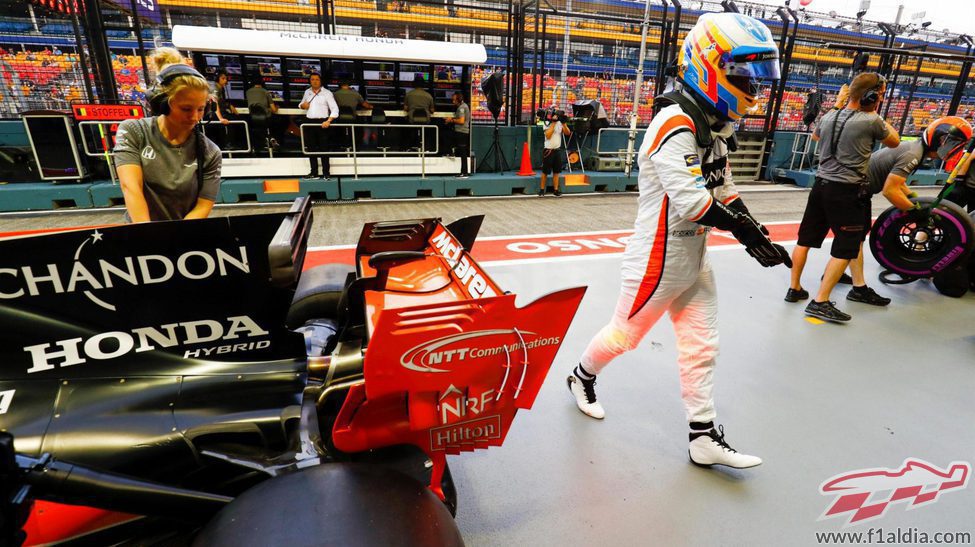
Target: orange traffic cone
(526, 162)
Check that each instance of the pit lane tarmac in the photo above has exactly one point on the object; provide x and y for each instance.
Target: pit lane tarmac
(813, 400)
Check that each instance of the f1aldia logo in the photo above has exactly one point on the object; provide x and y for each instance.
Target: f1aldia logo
(468, 346)
(865, 494)
(87, 274)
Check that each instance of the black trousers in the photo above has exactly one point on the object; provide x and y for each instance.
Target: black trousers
(460, 143)
(316, 140)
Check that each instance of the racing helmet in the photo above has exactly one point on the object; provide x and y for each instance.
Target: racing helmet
(723, 60)
(947, 136)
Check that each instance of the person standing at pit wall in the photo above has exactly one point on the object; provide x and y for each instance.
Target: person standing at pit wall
(167, 168)
(320, 109)
(460, 134)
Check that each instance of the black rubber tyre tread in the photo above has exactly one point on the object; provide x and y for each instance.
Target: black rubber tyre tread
(345, 504)
(318, 294)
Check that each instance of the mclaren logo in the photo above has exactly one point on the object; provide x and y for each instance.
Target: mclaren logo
(466, 271)
(90, 275)
(468, 346)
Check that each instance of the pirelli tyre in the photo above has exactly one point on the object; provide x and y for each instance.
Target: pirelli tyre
(318, 294)
(348, 504)
(918, 250)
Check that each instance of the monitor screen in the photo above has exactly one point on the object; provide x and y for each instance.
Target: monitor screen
(275, 89)
(449, 74)
(378, 71)
(377, 75)
(407, 72)
(342, 70)
(271, 69)
(302, 68)
(235, 90)
(230, 63)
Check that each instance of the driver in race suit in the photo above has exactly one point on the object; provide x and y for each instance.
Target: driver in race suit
(686, 188)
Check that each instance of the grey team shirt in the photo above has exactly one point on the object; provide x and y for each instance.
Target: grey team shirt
(463, 111)
(861, 131)
(900, 161)
(169, 180)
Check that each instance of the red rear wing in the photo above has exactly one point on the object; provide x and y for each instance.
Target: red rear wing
(451, 358)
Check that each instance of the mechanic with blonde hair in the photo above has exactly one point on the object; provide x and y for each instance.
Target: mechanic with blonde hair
(167, 167)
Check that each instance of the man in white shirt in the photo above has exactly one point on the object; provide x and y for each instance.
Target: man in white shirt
(320, 108)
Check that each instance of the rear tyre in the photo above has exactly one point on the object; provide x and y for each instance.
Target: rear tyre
(334, 504)
(318, 294)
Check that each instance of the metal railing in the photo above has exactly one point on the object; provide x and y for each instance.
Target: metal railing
(247, 134)
(620, 152)
(111, 165)
(802, 147)
(94, 153)
(354, 152)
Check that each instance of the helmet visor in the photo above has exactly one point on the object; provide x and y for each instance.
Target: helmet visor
(752, 67)
(951, 148)
(951, 156)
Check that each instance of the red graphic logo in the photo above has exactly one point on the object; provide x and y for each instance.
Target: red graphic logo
(865, 494)
(457, 348)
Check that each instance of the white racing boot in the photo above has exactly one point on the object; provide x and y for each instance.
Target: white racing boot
(708, 448)
(582, 385)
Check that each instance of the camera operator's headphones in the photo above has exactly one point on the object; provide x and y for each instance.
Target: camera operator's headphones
(872, 95)
(158, 101)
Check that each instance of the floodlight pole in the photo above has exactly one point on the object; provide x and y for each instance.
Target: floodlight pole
(638, 87)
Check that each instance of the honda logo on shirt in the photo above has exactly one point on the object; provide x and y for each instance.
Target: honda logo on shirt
(149, 153)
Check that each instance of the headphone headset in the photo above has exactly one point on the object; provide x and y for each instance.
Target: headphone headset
(872, 95)
(158, 101)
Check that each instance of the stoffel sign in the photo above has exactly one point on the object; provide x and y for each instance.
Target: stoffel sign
(270, 42)
(106, 112)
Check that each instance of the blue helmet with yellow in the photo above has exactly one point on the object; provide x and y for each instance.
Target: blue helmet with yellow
(724, 59)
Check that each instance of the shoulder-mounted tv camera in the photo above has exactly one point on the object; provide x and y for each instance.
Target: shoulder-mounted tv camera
(550, 115)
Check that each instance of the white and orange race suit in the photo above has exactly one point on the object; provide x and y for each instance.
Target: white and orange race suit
(665, 265)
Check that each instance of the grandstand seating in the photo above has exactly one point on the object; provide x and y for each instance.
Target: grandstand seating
(51, 79)
(590, 75)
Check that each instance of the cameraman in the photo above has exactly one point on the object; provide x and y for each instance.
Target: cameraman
(840, 198)
(553, 122)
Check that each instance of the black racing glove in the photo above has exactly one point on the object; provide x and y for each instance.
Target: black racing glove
(754, 237)
(919, 213)
(735, 218)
